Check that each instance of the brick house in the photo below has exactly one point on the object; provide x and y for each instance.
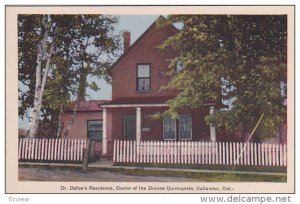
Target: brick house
(137, 78)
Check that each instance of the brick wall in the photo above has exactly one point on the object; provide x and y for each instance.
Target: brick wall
(154, 127)
(145, 52)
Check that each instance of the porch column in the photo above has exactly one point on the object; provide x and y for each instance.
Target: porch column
(104, 133)
(212, 127)
(138, 125)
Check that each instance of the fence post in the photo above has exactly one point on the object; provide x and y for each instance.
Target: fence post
(87, 156)
(284, 155)
(20, 148)
(280, 155)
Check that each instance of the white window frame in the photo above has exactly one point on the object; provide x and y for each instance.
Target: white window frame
(143, 77)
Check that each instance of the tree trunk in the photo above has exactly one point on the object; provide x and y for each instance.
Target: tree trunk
(34, 116)
(80, 97)
(72, 119)
(40, 81)
(60, 123)
(45, 75)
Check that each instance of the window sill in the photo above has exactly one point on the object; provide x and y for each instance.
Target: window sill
(144, 91)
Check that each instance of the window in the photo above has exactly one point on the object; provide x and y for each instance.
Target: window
(130, 127)
(179, 67)
(143, 77)
(185, 127)
(178, 129)
(169, 128)
(95, 129)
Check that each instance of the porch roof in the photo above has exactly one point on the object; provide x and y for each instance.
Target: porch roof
(138, 102)
(93, 105)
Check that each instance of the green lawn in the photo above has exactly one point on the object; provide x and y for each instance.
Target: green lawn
(239, 175)
(279, 169)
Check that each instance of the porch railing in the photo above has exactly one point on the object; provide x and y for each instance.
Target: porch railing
(187, 152)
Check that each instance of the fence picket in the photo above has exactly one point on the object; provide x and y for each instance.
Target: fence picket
(208, 153)
(262, 154)
(280, 155)
(35, 149)
(251, 153)
(20, 148)
(277, 155)
(134, 151)
(143, 152)
(23, 148)
(31, 148)
(273, 155)
(259, 153)
(127, 151)
(248, 153)
(114, 150)
(270, 154)
(117, 151)
(39, 149)
(284, 155)
(150, 147)
(226, 152)
(121, 151)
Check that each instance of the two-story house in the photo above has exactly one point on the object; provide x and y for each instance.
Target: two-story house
(137, 78)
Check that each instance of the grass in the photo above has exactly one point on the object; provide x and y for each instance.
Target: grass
(197, 176)
(277, 169)
(205, 176)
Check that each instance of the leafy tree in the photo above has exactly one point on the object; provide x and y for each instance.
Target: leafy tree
(240, 61)
(56, 54)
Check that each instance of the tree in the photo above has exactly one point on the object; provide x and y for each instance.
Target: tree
(60, 51)
(236, 60)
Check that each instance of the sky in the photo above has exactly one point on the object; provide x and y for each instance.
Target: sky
(136, 25)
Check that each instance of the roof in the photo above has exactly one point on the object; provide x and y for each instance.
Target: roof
(156, 101)
(93, 105)
(139, 101)
(152, 26)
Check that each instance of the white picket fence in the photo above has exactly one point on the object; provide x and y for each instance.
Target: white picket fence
(52, 149)
(187, 152)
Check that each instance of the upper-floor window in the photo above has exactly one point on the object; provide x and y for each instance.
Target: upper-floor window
(143, 77)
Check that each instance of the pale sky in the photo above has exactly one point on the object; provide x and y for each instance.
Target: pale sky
(136, 25)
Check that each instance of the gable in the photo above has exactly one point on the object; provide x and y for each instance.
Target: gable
(144, 51)
(154, 31)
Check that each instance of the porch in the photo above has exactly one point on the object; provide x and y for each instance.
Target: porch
(131, 119)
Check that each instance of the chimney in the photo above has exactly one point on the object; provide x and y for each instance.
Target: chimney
(126, 36)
